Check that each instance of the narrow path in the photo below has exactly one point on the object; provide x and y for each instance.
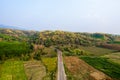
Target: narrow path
(61, 71)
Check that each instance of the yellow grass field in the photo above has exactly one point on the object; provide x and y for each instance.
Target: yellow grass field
(12, 70)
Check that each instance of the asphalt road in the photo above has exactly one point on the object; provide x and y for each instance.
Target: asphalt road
(61, 71)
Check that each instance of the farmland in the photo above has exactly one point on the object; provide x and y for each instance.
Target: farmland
(104, 60)
(114, 57)
(97, 51)
(13, 70)
(77, 69)
(34, 70)
(28, 70)
(102, 64)
(51, 66)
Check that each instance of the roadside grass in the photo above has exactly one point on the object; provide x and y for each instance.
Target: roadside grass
(102, 64)
(97, 51)
(114, 57)
(13, 70)
(51, 66)
(69, 75)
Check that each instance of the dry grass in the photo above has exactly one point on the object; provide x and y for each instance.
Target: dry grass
(34, 70)
(82, 71)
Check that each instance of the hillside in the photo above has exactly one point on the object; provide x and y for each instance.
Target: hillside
(15, 35)
(60, 37)
(37, 51)
(49, 38)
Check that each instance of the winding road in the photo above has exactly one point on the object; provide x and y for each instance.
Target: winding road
(61, 71)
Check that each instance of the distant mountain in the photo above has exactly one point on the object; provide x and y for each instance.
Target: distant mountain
(11, 27)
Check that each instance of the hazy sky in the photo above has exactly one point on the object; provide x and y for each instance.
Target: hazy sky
(68, 15)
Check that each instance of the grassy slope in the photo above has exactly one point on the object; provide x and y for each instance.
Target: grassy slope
(13, 70)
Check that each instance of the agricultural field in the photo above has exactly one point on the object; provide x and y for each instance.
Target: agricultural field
(91, 50)
(101, 59)
(97, 51)
(104, 65)
(51, 66)
(34, 70)
(77, 69)
(114, 57)
(29, 70)
(12, 70)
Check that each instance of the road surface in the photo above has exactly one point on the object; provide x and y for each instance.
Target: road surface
(61, 71)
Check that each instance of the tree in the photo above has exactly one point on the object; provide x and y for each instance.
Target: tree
(48, 42)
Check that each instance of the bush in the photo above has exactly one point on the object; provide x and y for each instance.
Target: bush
(50, 52)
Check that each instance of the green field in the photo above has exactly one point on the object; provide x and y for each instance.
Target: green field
(102, 64)
(12, 70)
(114, 57)
(97, 51)
(51, 64)
(85, 50)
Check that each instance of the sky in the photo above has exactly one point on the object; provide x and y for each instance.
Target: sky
(68, 15)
